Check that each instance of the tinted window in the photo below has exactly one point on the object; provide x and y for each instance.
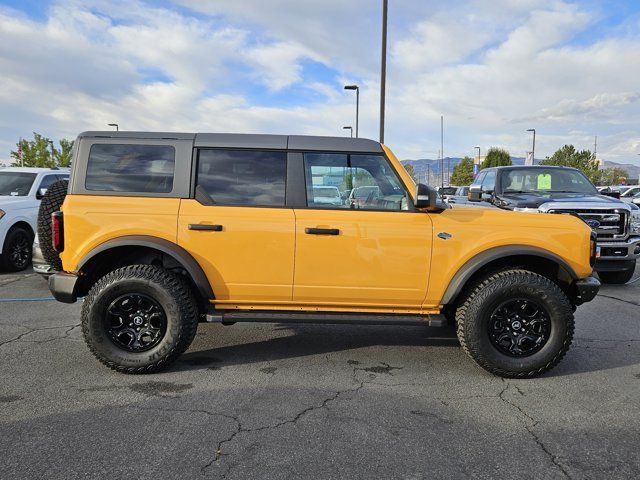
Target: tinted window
(131, 168)
(243, 177)
(545, 180)
(47, 181)
(16, 184)
(352, 182)
(489, 182)
(478, 180)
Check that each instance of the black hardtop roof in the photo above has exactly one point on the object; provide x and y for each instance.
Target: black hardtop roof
(244, 140)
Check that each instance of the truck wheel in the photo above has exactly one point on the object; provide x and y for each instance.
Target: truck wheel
(51, 202)
(16, 251)
(139, 319)
(515, 324)
(618, 278)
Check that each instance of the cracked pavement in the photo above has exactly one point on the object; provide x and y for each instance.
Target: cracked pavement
(281, 402)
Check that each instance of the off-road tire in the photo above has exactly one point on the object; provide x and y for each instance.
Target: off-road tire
(472, 317)
(51, 202)
(618, 278)
(16, 234)
(173, 294)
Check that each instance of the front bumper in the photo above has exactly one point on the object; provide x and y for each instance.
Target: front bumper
(587, 289)
(626, 250)
(63, 287)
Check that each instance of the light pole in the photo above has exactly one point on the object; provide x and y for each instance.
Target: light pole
(350, 130)
(533, 149)
(476, 167)
(442, 149)
(114, 125)
(357, 89)
(383, 66)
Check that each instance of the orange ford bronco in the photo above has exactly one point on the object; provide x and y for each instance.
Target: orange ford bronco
(158, 231)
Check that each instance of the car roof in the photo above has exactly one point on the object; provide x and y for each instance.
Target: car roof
(34, 170)
(522, 167)
(245, 140)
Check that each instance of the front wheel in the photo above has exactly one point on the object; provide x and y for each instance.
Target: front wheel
(139, 319)
(16, 252)
(515, 324)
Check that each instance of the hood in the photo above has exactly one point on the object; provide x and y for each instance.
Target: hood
(533, 200)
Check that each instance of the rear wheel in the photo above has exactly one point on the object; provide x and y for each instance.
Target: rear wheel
(620, 277)
(16, 251)
(139, 319)
(515, 324)
(51, 202)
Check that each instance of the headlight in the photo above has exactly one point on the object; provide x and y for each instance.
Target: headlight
(634, 226)
(1, 213)
(528, 210)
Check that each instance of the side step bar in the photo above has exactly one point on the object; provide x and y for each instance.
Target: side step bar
(330, 318)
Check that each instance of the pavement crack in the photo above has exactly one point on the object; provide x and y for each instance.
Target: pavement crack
(529, 423)
(241, 429)
(33, 330)
(619, 299)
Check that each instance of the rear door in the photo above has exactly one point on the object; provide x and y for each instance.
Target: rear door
(372, 250)
(238, 227)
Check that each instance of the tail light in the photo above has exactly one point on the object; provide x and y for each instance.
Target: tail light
(57, 231)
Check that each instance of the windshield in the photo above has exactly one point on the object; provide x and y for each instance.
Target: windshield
(546, 180)
(16, 184)
(326, 192)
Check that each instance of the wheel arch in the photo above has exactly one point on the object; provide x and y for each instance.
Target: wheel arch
(532, 258)
(142, 249)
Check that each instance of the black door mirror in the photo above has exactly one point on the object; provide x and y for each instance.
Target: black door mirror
(426, 197)
(41, 193)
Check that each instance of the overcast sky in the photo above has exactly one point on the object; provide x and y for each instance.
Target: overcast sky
(493, 68)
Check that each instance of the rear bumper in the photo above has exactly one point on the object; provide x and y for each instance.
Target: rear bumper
(63, 287)
(587, 289)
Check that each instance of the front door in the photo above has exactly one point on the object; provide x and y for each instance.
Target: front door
(238, 228)
(369, 249)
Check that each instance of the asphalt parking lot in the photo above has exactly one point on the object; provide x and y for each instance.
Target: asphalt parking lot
(273, 401)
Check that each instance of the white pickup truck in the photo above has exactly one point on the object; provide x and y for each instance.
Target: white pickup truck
(20, 192)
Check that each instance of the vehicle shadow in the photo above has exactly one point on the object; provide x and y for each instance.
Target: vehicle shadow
(309, 340)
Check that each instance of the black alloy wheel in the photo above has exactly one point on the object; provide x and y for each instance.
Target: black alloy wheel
(20, 250)
(519, 327)
(135, 322)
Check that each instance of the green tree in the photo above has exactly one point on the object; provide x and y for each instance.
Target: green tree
(496, 157)
(584, 160)
(612, 176)
(463, 172)
(37, 153)
(411, 171)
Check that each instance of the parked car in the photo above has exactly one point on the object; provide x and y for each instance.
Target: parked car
(364, 196)
(609, 191)
(636, 199)
(325, 195)
(21, 190)
(233, 238)
(629, 192)
(461, 195)
(566, 190)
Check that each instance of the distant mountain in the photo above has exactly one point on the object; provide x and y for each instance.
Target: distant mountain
(422, 166)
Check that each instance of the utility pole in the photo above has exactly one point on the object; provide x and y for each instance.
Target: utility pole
(442, 149)
(20, 152)
(383, 66)
(428, 173)
(595, 148)
(533, 150)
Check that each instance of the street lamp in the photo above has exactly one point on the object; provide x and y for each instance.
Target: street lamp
(357, 89)
(53, 158)
(383, 66)
(476, 167)
(114, 125)
(350, 130)
(533, 150)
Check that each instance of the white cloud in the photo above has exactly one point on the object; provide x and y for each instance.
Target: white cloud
(493, 68)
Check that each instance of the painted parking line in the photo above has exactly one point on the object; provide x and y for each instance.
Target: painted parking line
(43, 299)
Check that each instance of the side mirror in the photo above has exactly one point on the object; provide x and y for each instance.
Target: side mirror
(474, 195)
(41, 193)
(426, 197)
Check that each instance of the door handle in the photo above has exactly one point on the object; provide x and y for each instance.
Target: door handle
(322, 231)
(205, 227)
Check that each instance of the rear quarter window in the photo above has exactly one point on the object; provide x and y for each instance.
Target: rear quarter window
(130, 168)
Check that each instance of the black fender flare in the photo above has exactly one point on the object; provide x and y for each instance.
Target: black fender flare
(474, 264)
(176, 252)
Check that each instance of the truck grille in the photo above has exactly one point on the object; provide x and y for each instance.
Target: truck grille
(611, 224)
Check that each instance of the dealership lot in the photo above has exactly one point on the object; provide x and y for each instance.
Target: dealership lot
(274, 401)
